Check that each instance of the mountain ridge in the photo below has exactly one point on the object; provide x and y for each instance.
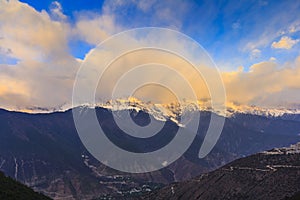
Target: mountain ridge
(172, 111)
(272, 174)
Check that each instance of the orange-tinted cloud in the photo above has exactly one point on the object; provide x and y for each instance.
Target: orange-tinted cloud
(285, 43)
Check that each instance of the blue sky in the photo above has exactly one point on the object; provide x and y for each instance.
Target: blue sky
(70, 7)
(235, 33)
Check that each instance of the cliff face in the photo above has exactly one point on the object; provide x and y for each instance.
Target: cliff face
(270, 175)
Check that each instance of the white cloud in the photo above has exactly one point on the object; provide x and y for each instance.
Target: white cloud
(265, 84)
(45, 70)
(255, 53)
(31, 35)
(285, 43)
(236, 25)
(94, 28)
(165, 13)
(294, 27)
(261, 34)
(57, 11)
(263, 3)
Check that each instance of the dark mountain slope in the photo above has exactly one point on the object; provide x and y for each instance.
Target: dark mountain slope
(269, 175)
(13, 190)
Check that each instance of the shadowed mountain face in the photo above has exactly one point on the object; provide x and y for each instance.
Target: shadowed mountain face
(12, 190)
(268, 175)
(44, 151)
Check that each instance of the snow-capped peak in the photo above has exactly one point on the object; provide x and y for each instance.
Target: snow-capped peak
(161, 112)
(173, 110)
(255, 110)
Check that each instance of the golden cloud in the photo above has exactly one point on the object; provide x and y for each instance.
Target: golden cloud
(285, 43)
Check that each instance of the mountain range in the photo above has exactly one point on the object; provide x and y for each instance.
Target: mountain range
(43, 150)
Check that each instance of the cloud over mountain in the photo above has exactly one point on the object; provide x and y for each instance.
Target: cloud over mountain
(45, 68)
